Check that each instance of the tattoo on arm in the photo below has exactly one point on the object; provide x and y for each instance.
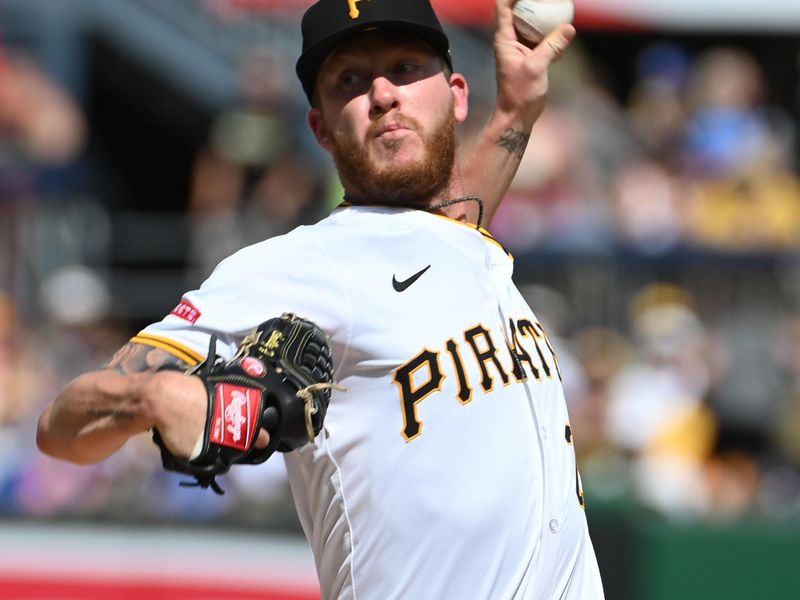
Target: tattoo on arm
(514, 141)
(139, 358)
(133, 358)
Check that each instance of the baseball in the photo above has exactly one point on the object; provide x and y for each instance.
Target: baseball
(534, 19)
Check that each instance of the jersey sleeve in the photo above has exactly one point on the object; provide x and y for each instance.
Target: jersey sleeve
(289, 273)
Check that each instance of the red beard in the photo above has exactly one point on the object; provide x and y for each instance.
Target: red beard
(412, 185)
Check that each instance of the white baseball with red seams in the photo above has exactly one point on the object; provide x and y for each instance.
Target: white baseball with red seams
(534, 19)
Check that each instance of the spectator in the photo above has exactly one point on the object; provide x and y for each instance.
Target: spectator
(42, 130)
(649, 206)
(656, 411)
(656, 105)
(257, 174)
(747, 198)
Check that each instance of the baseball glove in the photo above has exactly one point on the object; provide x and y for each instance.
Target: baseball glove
(279, 379)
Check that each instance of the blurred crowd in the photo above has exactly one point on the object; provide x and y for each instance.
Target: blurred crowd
(695, 155)
(682, 410)
(688, 416)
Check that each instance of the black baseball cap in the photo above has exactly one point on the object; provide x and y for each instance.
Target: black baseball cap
(328, 23)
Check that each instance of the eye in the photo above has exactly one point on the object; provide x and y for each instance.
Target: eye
(351, 80)
(405, 68)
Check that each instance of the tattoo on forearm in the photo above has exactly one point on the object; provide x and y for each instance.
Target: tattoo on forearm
(117, 415)
(138, 358)
(514, 141)
(128, 359)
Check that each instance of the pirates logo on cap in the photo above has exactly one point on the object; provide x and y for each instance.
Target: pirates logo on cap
(354, 12)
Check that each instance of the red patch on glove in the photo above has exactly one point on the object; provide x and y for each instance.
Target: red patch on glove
(235, 416)
(253, 366)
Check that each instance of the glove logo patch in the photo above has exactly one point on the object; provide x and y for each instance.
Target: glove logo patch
(235, 416)
(273, 343)
(253, 366)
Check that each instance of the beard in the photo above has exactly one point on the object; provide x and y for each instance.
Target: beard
(411, 185)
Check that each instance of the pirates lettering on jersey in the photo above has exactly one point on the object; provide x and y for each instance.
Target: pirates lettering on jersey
(421, 376)
(464, 394)
(478, 337)
(412, 392)
(519, 355)
(536, 332)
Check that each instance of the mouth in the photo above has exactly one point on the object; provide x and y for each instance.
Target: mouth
(392, 126)
(392, 131)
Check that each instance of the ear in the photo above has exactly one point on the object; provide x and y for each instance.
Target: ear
(317, 123)
(460, 90)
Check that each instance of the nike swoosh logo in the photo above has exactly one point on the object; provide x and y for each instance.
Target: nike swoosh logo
(402, 286)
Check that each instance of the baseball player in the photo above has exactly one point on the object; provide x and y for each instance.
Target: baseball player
(444, 468)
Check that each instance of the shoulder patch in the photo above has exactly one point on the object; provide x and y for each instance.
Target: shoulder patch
(186, 311)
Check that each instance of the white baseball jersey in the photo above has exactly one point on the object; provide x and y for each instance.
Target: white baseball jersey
(446, 470)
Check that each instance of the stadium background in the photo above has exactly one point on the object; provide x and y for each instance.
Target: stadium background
(655, 222)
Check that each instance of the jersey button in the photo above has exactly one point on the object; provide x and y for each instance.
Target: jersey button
(554, 525)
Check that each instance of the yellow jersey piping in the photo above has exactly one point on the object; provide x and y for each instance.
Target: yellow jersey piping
(177, 350)
(480, 230)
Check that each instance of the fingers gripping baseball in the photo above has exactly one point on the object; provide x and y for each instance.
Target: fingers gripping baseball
(522, 69)
(552, 47)
(506, 30)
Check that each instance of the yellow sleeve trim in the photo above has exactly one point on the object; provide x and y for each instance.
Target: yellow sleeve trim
(184, 353)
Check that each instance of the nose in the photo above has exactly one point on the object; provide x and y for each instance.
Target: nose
(383, 96)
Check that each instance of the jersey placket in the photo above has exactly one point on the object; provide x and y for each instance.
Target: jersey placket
(500, 268)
